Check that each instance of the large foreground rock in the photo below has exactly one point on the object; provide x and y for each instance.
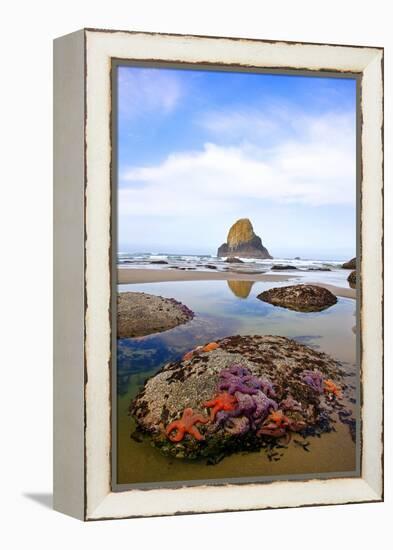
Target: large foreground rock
(242, 242)
(239, 393)
(140, 314)
(306, 298)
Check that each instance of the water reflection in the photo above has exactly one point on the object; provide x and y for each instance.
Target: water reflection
(139, 358)
(241, 289)
(222, 310)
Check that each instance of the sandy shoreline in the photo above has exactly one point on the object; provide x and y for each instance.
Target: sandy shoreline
(139, 276)
(133, 276)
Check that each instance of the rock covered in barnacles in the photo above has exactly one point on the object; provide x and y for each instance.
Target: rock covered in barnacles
(305, 298)
(140, 314)
(249, 382)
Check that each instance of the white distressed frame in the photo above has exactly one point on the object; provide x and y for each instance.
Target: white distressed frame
(100, 47)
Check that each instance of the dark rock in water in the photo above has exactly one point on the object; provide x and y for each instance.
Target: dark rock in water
(297, 258)
(279, 267)
(139, 314)
(351, 264)
(306, 298)
(232, 260)
(210, 266)
(241, 393)
(242, 242)
(318, 269)
(352, 279)
(159, 262)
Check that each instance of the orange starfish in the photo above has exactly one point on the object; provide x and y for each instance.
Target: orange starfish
(186, 425)
(210, 347)
(222, 402)
(331, 387)
(279, 419)
(187, 356)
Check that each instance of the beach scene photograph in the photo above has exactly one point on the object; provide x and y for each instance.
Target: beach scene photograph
(236, 352)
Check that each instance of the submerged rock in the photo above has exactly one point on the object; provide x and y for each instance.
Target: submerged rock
(245, 393)
(306, 298)
(159, 262)
(350, 264)
(282, 267)
(352, 279)
(242, 242)
(140, 314)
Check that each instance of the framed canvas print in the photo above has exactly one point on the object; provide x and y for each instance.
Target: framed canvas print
(218, 274)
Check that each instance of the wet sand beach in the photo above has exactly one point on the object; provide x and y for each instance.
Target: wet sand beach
(139, 276)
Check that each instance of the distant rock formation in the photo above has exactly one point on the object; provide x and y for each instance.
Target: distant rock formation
(350, 264)
(242, 242)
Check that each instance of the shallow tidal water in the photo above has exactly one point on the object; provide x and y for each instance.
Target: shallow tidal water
(224, 308)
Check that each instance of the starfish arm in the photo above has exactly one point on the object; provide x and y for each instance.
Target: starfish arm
(200, 418)
(176, 425)
(193, 430)
(172, 426)
(214, 411)
(210, 403)
(178, 436)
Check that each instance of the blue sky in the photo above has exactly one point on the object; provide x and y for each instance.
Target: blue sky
(199, 149)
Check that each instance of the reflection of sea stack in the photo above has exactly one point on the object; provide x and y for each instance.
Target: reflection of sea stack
(242, 242)
(241, 289)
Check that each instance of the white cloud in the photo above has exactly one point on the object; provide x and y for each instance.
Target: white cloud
(147, 90)
(317, 166)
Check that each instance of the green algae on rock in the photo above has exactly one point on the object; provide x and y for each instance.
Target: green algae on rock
(303, 298)
(272, 397)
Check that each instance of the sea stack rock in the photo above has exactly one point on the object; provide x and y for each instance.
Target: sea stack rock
(242, 242)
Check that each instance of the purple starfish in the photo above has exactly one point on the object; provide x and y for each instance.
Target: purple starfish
(314, 379)
(290, 404)
(238, 426)
(237, 378)
(255, 407)
(263, 405)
